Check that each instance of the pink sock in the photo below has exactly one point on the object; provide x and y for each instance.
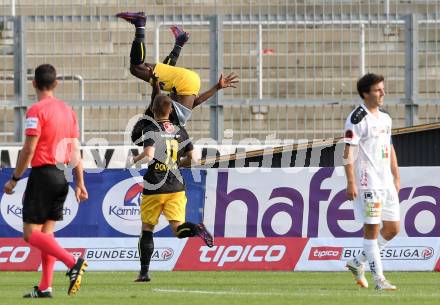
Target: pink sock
(47, 244)
(47, 262)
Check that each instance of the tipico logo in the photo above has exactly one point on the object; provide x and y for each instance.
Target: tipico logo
(11, 207)
(121, 207)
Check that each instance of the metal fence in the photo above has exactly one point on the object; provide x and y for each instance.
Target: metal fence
(298, 61)
(277, 122)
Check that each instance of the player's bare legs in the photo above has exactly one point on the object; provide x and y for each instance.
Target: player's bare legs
(390, 229)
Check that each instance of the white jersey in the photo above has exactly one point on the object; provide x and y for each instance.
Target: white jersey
(372, 134)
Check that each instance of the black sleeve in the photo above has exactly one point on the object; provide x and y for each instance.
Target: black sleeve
(188, 146)
(150, 136)
(173, 117)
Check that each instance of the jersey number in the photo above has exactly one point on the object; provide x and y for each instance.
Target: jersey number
(172, 149)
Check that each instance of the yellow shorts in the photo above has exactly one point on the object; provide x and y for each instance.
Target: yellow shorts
(177, 79)
(172, 205)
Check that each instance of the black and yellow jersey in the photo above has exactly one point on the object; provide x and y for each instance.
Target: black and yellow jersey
(171, 142)
(147, 120)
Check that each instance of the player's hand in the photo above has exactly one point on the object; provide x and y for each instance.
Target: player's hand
(81, 193)
(154, 78)
(130, 162)
(351, 191)
(228, 81)
(9, 187)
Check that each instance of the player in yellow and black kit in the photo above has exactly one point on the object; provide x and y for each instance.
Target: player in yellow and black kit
(166, 147)
(183, 84)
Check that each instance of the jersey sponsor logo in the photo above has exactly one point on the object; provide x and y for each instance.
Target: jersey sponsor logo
(11, 207)
(242, 254)
(325, 253)
(373, 209)
(385, 152)
(164, 167)
(17, 255)
(169, 127)
(31, 123)
(379, 130)
(121, 207)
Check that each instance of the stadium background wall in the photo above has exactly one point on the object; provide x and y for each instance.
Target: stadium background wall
(263, 219)
(415, 146)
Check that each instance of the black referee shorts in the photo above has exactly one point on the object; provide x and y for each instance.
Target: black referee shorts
(45, 193)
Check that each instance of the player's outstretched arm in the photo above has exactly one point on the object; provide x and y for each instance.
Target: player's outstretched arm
(224, 82)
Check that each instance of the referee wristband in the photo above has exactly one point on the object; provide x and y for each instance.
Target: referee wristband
(13, 178)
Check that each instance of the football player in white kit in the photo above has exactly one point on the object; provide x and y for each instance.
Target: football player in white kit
(373, 180)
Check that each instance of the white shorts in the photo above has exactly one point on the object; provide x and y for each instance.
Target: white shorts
(375, 206)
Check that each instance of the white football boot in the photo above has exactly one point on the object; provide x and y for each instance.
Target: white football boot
(383, 284)
(358, 273)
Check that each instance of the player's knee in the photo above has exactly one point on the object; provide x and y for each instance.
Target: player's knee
(390, 232)
(134, 70)
(394, 231)
(141, 71)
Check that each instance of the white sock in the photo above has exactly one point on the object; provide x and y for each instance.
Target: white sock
(372, 253)
(362, 259)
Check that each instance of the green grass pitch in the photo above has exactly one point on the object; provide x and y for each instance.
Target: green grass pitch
(212, 288)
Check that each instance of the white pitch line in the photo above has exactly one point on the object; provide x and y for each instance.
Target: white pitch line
(289, 293)
(213, 292)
